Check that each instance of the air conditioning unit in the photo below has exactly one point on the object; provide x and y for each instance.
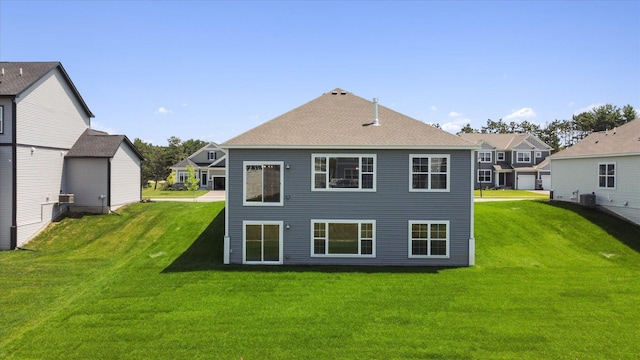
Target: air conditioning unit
(65, 199)
(588, 199)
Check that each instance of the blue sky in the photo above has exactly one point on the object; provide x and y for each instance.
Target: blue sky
(211, 70)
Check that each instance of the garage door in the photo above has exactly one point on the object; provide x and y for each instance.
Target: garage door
(526, 182)
(546, 182)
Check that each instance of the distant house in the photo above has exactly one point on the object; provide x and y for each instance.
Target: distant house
(512, 161)
(42, 118)
(209, 163)
(602, 169)
(343, 181)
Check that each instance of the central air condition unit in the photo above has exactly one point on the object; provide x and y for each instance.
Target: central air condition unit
(65, 199)
(588, 199)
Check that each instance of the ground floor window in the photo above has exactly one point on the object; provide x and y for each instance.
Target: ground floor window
(343, 238)
(484, 176)
(607, 175)
(428, 239)
(182, 176)
(262, 242)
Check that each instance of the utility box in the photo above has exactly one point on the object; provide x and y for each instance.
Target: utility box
(588, 199)
(65, 199)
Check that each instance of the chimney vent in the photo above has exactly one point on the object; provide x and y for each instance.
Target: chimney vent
(375, 112)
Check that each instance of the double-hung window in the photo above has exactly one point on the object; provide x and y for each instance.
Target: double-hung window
(429, 172)
(182, 176)
(428, 239)
(607, 175)
(263, 183)
(523, 156)
(484, 176)
(343, 172)
(343, 238)
(484, 156)
(212, 155)
(500, 156)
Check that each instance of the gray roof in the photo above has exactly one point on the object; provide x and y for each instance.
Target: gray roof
(16, 77)
(341, 119)
(624, 140)
(98, 144)
(500, 141)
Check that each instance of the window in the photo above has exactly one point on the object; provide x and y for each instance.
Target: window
(1, 120)
(182, 176)
(212, 155)
(343, 238)
(262, 242)
(428, 239)
(429, 173)
(484, 156)
(484, 176)
(538, 154)
(607, 175)
(343, 172)
(523, 156)
(263, 183)
(500, 156)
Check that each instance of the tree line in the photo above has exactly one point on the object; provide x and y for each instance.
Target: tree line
(560, 134)
(158, 159)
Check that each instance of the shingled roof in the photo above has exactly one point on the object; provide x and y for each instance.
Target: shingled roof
(340, 119)
(98, 144)
(16, 77)
(624, 140)
(500, 141)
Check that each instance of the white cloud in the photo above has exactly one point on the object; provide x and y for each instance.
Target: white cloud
(520, 115)
(96, 125)
(570, 104)
(433, 107)
(163, 111)
(455, 126)
(454, 114)
(587, 109)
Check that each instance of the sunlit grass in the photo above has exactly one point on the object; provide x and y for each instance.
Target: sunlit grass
(516, 194)
(550, 283)
(150, 193)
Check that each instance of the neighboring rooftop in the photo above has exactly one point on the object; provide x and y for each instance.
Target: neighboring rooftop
(98, 144)
(624, 140)
(340, 119)
(500, 141)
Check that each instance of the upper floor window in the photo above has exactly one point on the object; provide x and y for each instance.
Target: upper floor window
(429, 173)
(213, 155)
(607, 175)
(343, 238)
(484, 156)
(1, 120)
(500, 156)
(342, 172)
(538, 154)
(263, 183)
(523, 156)
(428, 239)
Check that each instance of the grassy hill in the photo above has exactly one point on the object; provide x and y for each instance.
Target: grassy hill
(551, 282)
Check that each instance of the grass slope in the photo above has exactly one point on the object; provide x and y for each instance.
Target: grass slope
(551, 282)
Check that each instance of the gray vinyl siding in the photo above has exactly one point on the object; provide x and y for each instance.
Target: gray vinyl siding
(581, 175)
(87, 179)
(6, 193)
(125, 176)
(49, 114)
(391, 206)
(39, 181)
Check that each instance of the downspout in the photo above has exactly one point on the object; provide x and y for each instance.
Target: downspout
(472, 240)
(108, 185)
(227, 246)
(13, 242)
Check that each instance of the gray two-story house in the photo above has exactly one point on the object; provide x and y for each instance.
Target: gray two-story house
(511, 161)
(341, 180)
(208, 163)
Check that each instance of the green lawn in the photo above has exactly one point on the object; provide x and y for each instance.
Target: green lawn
(149, 193)
(516, 194)
(550, 283)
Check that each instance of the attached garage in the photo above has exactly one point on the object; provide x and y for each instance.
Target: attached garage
(526, 182)
(546, 182)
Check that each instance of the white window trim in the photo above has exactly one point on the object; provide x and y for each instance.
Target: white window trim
(500, 156)
(490, 160)
(214, 157)
(244, 240)
(615, 175)
(327, 180)
(430, 222)
(244, 183)
(538, 154)
(528, 153)
(326, 248)
(1, 119)
(412, 156)
(184, 176)
(484, 170)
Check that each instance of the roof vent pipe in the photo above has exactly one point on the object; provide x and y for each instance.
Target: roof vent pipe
(20, 71)
(375, 111)
(2, 73)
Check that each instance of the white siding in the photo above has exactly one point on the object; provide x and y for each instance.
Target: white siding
(39, 181)
(49, 114)
(581, 175)
(125, 176)
(6, 183)
(87, 180)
